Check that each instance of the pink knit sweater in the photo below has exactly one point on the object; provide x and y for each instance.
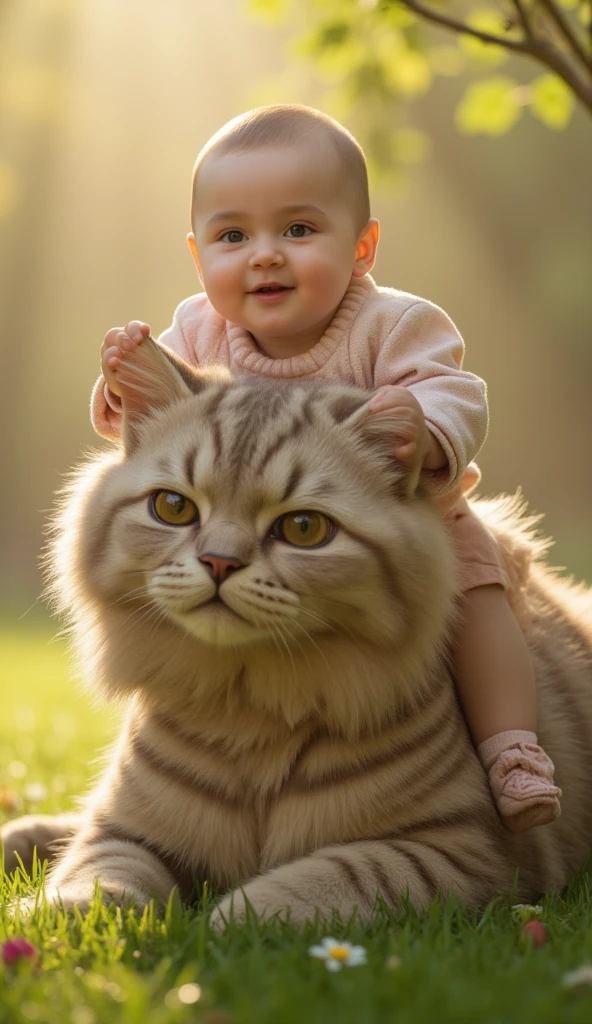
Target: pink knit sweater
(377, 336)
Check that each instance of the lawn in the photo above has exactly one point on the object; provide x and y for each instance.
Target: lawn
(446, 967)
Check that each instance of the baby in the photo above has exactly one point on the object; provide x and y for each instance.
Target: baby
(284, 244)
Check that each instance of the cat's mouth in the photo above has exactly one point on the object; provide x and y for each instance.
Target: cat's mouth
(216, 603)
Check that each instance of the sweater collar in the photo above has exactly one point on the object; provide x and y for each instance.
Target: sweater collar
(247, 356)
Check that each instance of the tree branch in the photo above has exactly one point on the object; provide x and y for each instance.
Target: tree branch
(523, 16)
(568, 32)
(461, 28)
(533, 46)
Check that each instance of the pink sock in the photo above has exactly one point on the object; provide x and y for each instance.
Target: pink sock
(489, 751)
(521, 779)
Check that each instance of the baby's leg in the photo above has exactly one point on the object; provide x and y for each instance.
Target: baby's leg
(497, 690)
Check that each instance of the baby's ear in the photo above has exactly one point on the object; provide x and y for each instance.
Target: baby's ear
(379, 430)
(150, 379)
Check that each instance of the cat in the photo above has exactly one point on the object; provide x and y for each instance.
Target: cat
(272, 595)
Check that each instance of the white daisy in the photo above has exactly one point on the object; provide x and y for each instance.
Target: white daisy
(523, 912)
(338, 954)
(582, 978)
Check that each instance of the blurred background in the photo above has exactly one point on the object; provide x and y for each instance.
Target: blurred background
(104, 105)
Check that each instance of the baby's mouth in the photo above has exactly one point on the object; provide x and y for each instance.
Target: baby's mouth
(270, 289)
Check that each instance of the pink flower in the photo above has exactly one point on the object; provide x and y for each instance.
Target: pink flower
(18, 949)
(534, 932)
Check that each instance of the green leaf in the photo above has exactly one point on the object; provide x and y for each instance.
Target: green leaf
(488, 20)
(408, 72)
(552, 101)
(271, 11)
(490, 107)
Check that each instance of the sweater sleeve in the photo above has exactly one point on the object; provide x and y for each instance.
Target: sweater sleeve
(424, 352)
(105, 407)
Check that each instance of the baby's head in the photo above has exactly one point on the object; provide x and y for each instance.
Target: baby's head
(281, 221)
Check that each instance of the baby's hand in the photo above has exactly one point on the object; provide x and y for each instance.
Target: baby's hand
(412, 435)
(117, 341)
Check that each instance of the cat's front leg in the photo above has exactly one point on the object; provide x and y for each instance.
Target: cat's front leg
(40, 832)
(125, 870)
(349, 876)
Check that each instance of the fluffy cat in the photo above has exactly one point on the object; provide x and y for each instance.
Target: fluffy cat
(271, 595)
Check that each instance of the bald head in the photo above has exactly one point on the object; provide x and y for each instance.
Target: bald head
(288, 125)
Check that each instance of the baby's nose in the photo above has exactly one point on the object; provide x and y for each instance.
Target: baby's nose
(266, 255)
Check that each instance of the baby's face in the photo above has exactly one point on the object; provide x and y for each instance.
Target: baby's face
(276, 241)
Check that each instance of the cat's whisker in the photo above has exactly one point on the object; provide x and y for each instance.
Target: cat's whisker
(329, 625)
(151, 610)
(274, 638)
(276, 628)
(132, 595)
(302, 650)
(314, 643)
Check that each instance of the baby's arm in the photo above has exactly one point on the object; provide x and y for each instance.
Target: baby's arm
(414, 441)
(423, 355)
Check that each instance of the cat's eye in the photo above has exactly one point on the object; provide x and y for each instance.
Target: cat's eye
(173, 509)
(303, 529)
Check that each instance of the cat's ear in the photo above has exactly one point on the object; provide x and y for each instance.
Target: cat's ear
(380, 431)
(151, 378)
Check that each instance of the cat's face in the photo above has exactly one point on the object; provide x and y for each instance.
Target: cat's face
(258, 512)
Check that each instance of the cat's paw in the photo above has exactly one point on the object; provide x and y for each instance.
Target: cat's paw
(258, 898)
(28, 906)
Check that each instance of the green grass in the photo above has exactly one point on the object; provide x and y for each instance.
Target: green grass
(116, 968)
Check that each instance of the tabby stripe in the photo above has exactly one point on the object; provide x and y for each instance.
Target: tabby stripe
(348, 870)
(273, 449)
(576, 714)
(296, 895)
(412, 855)
(196, 739)
(215, 401)
(476, 873)
(185, 876)
(453, 820)
(384, 885)
(295, 478)
(246, 443)
(389, 574)
(307, 408)
(181, 776)
(189, 465)
(96, 856)
(429, 782)
(344, 406)
(99, 546)
(217, 442)
(337, 776)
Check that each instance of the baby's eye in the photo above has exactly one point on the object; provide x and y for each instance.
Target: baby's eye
(233, 236)
(298, 231)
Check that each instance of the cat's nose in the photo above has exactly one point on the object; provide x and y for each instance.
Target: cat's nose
(219, 566)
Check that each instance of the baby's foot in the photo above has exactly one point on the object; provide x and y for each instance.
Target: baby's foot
(521, 781)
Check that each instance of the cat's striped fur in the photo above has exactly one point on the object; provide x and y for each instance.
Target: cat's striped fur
(302, 739)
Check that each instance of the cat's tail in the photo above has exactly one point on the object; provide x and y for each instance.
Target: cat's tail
(47, 833)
